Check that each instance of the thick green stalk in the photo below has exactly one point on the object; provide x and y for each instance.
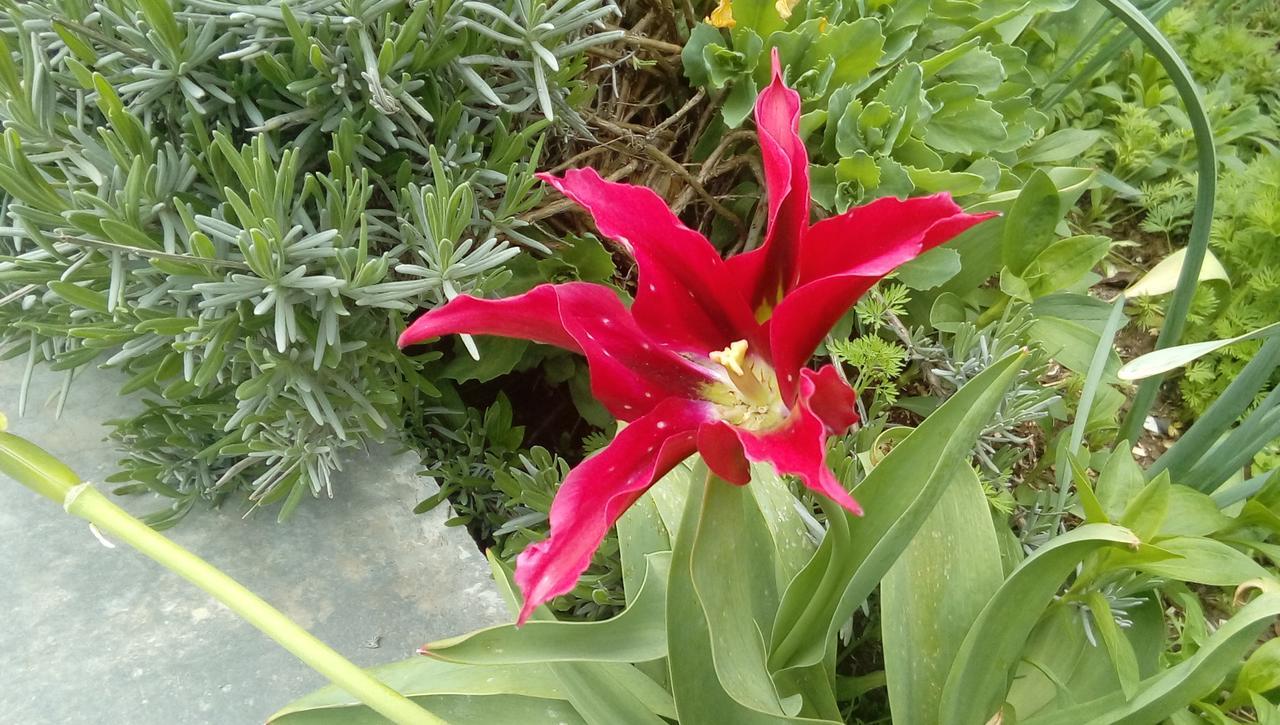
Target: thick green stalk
(36, 469)
(1206, 190)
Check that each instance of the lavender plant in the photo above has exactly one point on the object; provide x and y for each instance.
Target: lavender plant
(237, 204)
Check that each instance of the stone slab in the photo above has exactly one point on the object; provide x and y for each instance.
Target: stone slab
(98, 635)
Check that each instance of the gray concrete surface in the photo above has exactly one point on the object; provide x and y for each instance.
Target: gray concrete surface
(98, 635)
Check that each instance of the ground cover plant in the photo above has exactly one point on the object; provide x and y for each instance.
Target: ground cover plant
(866, 319)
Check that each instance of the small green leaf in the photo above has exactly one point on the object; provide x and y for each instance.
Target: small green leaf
(930, 269)
(1031, 222)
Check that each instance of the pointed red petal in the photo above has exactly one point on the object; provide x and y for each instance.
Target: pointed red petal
(598, 491)
(804, 318)
(685, 297)
(722, 451)
(630, 371)
(799, 446)
(534, 315)
(844, 257)
(770, 270)
(875, 238)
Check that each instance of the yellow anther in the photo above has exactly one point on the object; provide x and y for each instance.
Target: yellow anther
(722, 16)
(822, 25)
(732, 357)
(785, 7)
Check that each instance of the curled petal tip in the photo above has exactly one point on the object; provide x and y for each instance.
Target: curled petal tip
(423, 650)
(776, 62)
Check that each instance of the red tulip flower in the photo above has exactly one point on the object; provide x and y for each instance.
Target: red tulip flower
(710, 357)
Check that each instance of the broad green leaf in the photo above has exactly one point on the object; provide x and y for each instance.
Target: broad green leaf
(792, 544)
(1162, 361)
(957, 183)
(1031, 222)
(1145, 514)
(1060, 666)
(515, 688)
(932, 595)
(599, 690)
(851, 49)
(604, 692)
(1164, 694)
(761, 16)
(640, 533)
(699, 696)
(1197, 559)
(1065, 262)
(695, 66)
(1192, 513)
(929, 269)
(453, 709)
(1062, 145)
(634, 635)
(1163, 278)
(732, 564)
(979, 677)
(1259, 675)
(963, 122)
(1071, 343)
(897, 496)
(1118, 482)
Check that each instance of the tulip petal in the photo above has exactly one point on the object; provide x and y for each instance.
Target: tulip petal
(824, 407)
(534, 315)
(769, 271)
(721, 450)
(844, 257)
(630, 371)
(598, 491)
(685, 295)
(875, 238)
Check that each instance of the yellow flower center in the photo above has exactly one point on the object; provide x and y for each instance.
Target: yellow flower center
(749, 395)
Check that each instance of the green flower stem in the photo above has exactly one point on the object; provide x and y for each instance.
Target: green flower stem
(41, 472)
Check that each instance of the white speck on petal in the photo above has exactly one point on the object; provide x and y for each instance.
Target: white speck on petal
(662, 424)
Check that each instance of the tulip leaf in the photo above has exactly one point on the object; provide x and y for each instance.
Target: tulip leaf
(897, 496)
(1162, 695)
(979, 677)
(640, 533)
(600, 690)
(1162, 361)
(733, 564)
(526, 690)
(1031, 223)
(699, 695)
(1196, 559)
(926, 607)
(634, 635)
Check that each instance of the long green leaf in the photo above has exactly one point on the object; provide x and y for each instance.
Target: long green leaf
(897, 497)
(699, 695)
(979, 677)
(423, 679)
(1224, 411)
(1206, 191)
(1160, 696)
(933, 594)
(634, 635)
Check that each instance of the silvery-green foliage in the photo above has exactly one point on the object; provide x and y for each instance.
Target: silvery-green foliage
(238, 204)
